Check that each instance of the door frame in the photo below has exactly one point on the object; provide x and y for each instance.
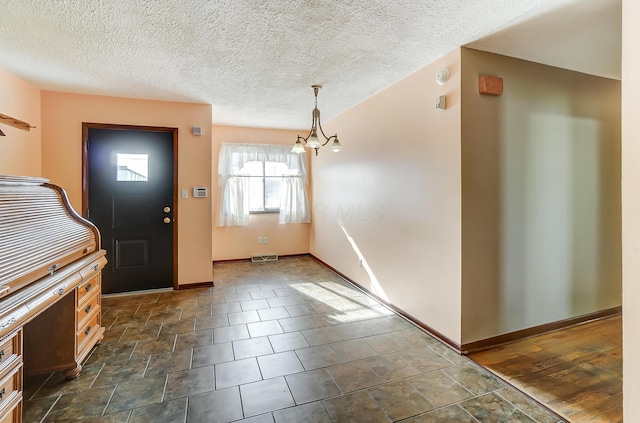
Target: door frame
(85, 175)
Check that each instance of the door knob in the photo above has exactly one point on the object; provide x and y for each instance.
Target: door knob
(166, 220)
(167, 209)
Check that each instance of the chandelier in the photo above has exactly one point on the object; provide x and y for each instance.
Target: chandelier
(312, 140)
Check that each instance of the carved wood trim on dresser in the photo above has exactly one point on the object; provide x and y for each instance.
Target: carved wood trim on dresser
(50, 286)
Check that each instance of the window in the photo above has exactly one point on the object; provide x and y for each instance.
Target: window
(265, 185)
(258, 178)
(132, 167)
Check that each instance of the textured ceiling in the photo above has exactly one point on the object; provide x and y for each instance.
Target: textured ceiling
(254, 61)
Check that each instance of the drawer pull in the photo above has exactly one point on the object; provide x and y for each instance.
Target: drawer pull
(87, 330)
(7, 323)
(2, 394)
(86, 310)
(1, 356)
(58, 291)
(88, 287)
(94, 267)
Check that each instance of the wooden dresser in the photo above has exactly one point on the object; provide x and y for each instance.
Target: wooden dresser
(50, 270)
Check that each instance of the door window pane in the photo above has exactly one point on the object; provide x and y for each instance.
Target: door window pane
(132, 167)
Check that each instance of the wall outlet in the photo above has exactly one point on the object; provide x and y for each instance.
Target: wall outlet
(259, 240)
(265, 239)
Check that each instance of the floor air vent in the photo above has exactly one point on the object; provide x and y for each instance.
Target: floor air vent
(265, 257)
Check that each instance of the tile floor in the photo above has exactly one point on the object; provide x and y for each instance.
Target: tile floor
(284, 341)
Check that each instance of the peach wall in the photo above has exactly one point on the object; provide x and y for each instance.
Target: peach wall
(19, 149)
(540, 196)
(240, 242)
(391, 197)
(62, 117)
(630, 208)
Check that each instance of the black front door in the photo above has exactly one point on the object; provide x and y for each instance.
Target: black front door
(130, 184)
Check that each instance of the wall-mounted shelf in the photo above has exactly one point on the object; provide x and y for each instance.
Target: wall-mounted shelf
(16, 123)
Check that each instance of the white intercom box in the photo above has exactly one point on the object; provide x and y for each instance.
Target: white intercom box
(199, 192)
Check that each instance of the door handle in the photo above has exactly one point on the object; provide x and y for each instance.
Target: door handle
(166, 220)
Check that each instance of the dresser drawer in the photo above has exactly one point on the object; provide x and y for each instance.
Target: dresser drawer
(11, 388)
(88, 271)
(89, 288)
(13, 412)
(10, 350)
(87, 331)
(87, 309)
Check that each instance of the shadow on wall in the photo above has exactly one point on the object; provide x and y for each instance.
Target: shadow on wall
(551, 221)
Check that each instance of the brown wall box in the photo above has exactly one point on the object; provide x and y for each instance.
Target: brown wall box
(490, 85)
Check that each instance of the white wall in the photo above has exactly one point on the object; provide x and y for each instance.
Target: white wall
(541, 196)
(631, 207)
(391, 197)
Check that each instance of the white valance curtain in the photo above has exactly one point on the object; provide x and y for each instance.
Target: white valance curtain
(233, 185)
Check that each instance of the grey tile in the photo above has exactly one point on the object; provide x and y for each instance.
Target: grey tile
(353, 330)
(113, 373)
(353, 349)
(230, 333)
(320, 336)
(311, 412)
(189, 382)
(439, 388)
(263, 294)
(304, 309)
(491, 408)
(288, 341)
(187, 341)
(296, 324)
(270, 327)
(400, 400)
(36, 409)
(162, 364)
(453, 413)
(354, 376)
(320, 356)
(210, 322)
(254, 304)
(425, 359)
(355, 407)
(212, 354)
(256, 315)
(174, 411)
(265, 396)
(474, 378)
(387, 343)
(120, 417)
(390, 367)
(528, 406)
(179, 326)
(280, 364)
(238, 296)
(237, 372)
(312, 386)
(273, 313)
(216, 406)
(137, 393)
(225, 308)
(243, 317)
(251, 347)
(263, 418)
(58, 384)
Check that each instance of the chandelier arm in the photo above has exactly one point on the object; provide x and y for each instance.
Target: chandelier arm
(327, 139)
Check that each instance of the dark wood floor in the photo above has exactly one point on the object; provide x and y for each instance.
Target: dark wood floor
(576, 372)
